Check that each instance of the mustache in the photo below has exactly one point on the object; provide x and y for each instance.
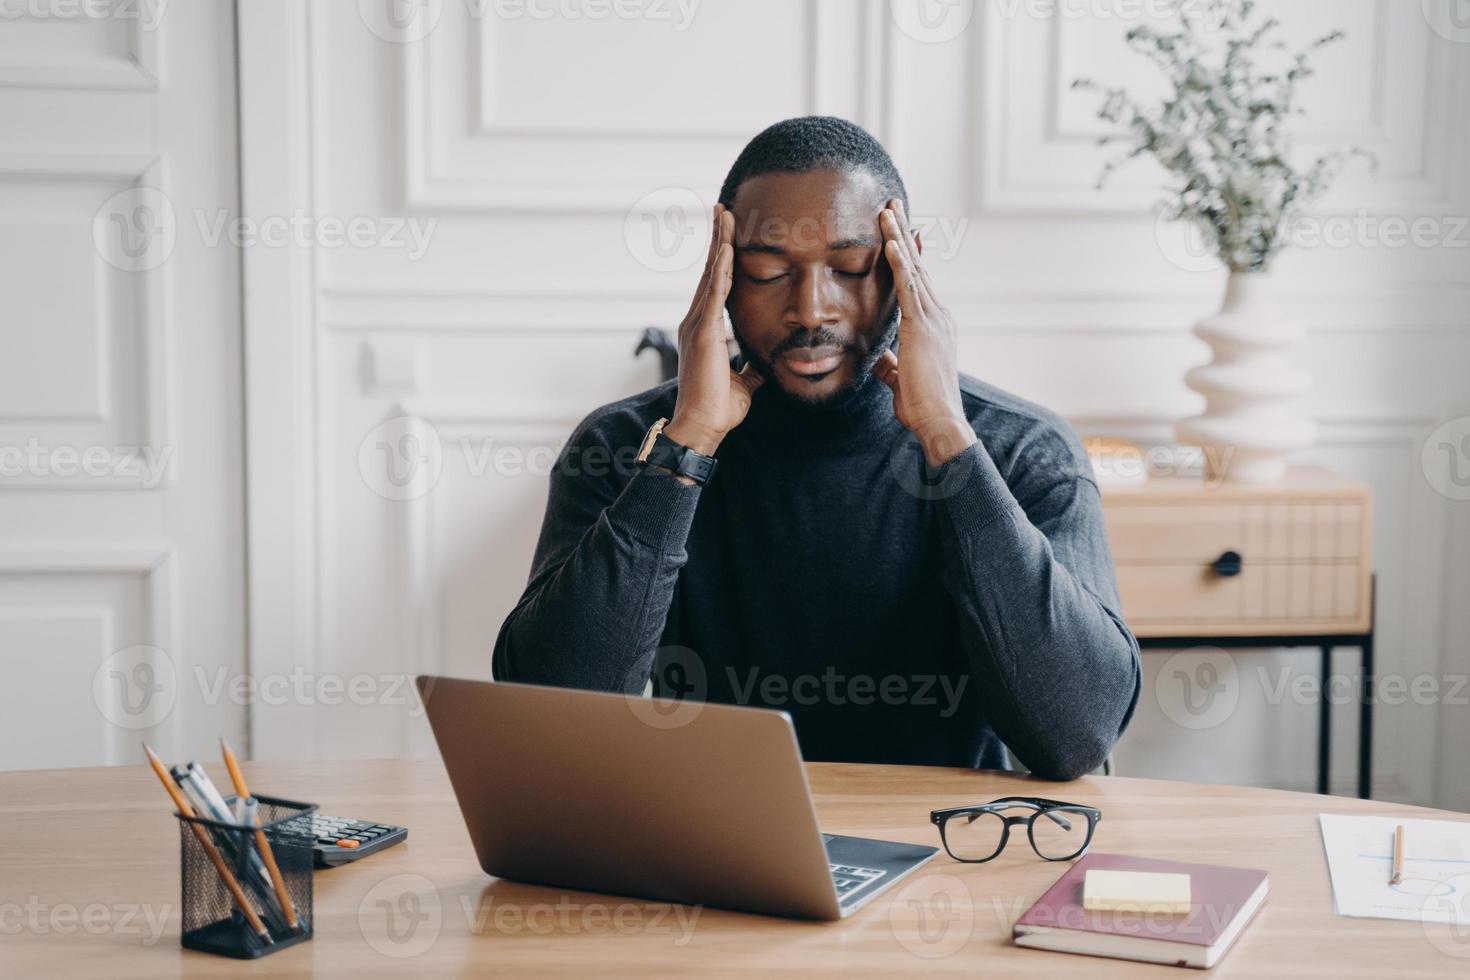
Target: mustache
(820, 337)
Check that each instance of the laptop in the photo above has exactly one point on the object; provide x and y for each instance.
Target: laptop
(675, 801)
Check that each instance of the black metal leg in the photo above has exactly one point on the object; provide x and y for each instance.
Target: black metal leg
(1324, 723)
(1365, 723)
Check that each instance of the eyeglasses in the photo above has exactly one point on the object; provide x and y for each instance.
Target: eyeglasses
(1058, 831)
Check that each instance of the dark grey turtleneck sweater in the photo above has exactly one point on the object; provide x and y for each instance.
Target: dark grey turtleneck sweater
(899, 614)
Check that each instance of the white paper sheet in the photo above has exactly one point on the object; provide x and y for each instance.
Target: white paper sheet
(1436, 882)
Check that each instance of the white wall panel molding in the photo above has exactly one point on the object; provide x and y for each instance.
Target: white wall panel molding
(59, 195)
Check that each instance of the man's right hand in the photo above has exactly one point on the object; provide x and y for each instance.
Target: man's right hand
(712, 399)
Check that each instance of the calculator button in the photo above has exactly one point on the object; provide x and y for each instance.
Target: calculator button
(348, 842)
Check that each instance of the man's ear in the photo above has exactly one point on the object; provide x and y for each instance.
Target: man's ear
(919, 241)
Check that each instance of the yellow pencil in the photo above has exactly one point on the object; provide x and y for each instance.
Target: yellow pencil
(238, 778)
(182, 805)
(1398, 856)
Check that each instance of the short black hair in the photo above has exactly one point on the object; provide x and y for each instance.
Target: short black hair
(808, 143)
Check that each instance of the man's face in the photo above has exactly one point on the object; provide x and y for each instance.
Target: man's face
(812, 304)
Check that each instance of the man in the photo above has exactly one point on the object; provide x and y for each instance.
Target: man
(908, 560)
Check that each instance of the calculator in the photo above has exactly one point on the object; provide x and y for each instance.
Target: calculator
(338, 841)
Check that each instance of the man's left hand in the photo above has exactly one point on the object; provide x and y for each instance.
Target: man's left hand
(926, 382)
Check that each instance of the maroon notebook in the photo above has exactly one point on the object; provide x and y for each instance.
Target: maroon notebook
(1223, 901)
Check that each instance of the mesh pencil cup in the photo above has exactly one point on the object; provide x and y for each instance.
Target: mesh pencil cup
(230, 893)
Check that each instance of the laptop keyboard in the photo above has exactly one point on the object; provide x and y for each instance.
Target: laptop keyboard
(850, 880)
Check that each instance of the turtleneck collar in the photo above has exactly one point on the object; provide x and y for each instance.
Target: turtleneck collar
(861, 416)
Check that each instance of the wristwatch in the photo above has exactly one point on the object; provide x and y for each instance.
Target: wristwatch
(659, 450)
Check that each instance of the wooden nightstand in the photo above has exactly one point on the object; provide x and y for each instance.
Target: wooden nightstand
(1252, 565)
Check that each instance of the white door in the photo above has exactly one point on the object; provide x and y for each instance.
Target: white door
(121, 528)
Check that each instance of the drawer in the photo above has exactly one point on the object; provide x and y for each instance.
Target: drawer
(1178, 599)
(1266, 530)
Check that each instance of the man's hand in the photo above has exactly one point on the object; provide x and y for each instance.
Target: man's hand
(926, 383)
(712, 398)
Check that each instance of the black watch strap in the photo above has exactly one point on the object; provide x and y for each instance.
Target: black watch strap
(682, 460)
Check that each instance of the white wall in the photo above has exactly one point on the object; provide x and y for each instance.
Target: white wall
(537, 145)
(122, 563)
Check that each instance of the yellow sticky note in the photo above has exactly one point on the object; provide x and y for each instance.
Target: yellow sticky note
(1135, 891)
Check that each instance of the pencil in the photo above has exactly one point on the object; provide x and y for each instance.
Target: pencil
(1398, 856)
(243, 791)
(182, 805)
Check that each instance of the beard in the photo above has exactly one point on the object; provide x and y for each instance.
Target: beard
(832, 402)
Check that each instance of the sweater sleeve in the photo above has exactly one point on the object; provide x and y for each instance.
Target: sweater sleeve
(606, 565)
(1032, 576)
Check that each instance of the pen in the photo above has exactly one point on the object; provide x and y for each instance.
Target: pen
(182, 805)
(1398, 856)
(243, 791)
(207, 802)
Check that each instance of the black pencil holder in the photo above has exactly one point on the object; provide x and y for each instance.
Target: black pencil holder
(213, 919)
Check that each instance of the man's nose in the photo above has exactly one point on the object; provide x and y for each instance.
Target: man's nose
(812, 300)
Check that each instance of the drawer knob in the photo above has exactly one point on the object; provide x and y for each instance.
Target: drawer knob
(1227, 564)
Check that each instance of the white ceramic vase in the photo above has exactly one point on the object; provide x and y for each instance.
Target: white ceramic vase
(1249, 426)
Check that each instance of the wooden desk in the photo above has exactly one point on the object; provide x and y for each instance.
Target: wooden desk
(77, 837)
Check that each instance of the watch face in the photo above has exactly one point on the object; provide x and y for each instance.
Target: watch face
(650, 438)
